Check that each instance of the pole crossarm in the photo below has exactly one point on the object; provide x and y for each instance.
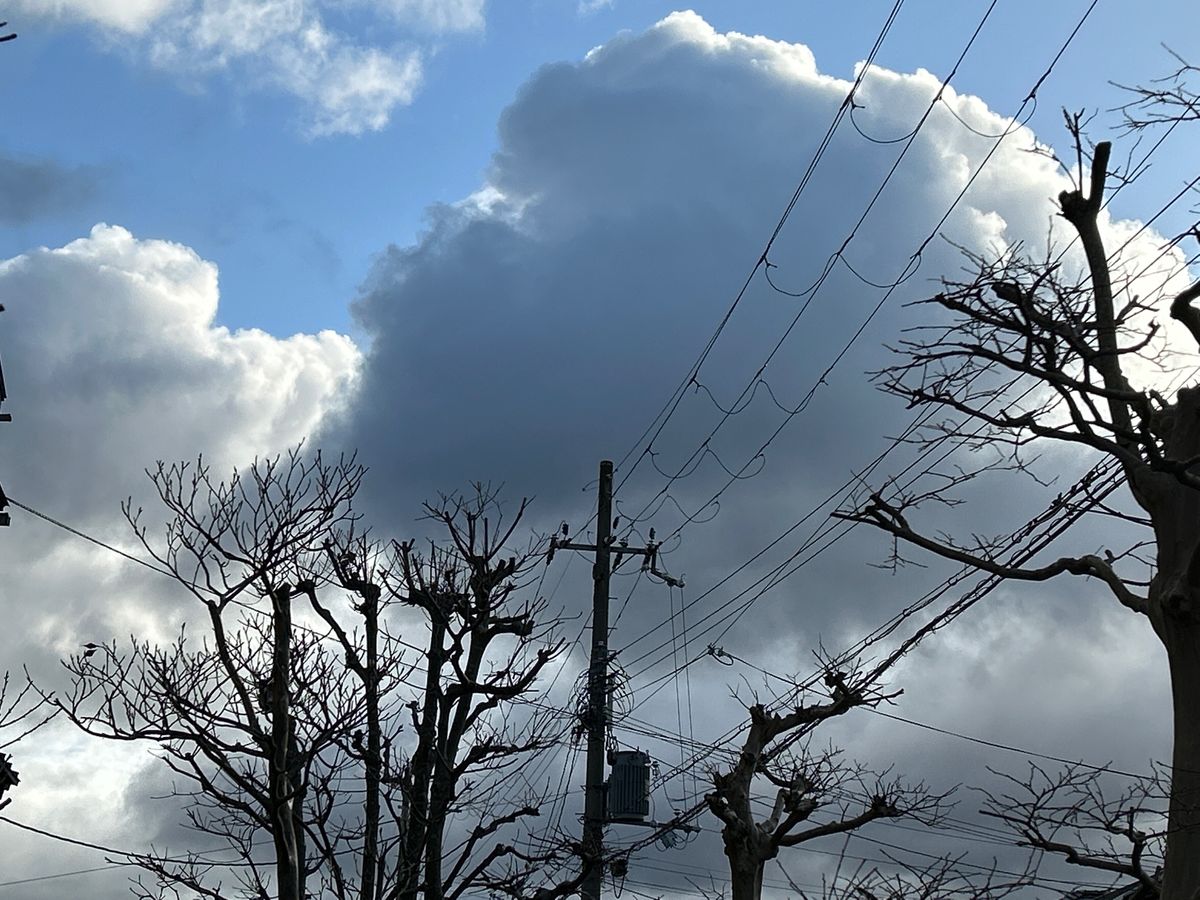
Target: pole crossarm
(621, 548)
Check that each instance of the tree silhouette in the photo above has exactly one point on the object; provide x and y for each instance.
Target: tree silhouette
(286, 719)
(1028, 352)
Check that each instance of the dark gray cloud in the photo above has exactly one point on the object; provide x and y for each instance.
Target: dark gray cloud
(539, 325)
(33, 188)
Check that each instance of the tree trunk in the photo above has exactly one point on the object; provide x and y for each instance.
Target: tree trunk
(1175, 615)
(452, 721)
(412, 849)
(440, 797)
(288, 864)
(374, 757)
(745, 879)
(296, 780)
(743, 847)
(1182, 870)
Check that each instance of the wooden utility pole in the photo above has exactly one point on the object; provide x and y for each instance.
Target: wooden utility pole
(593, 804)
(594, 809)
(4, 417)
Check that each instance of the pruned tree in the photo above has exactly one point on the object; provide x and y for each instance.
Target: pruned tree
(804, 784)
(1070, 814)
(1028, 351)
(252, 717)
(286, 721)
(488, 640)
(370, 658)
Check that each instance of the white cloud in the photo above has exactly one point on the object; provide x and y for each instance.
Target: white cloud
(135, 15)
(130, 16)
(346, 85)
(114, 304)
(587, 7)
(113, 359)
(434, 15)
(353, 89)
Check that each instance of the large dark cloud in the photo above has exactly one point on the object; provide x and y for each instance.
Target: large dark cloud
(538, 326)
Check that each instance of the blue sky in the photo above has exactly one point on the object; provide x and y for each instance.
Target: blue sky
(330, 166)
(225, 167)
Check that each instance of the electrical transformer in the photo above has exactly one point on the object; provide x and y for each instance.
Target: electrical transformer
(629, 786)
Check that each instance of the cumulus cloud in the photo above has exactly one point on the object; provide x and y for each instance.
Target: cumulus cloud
(555, 308)
(109, 337)
(113, 358)
(347, 86)
(539, 325)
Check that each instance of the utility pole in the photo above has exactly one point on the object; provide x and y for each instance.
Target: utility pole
(593, 804)
(595, 814)
(4, 417)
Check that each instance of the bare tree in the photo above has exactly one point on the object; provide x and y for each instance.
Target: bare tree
(254, 715)
(488, 641)
(1033, 353)
(1070, 814)
(293, 734)
(1166, 101)
(804, 783)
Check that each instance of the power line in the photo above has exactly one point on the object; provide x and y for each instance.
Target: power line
(668, 410)
(1112, 256)
(959, 735)
(815, 289)
(89, 538)
(186, 860)
(955, 609)
(791, 413)
(35, 878)
(913, 261)
(1008, 747)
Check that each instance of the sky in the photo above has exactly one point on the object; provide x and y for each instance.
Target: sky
(485, 241)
